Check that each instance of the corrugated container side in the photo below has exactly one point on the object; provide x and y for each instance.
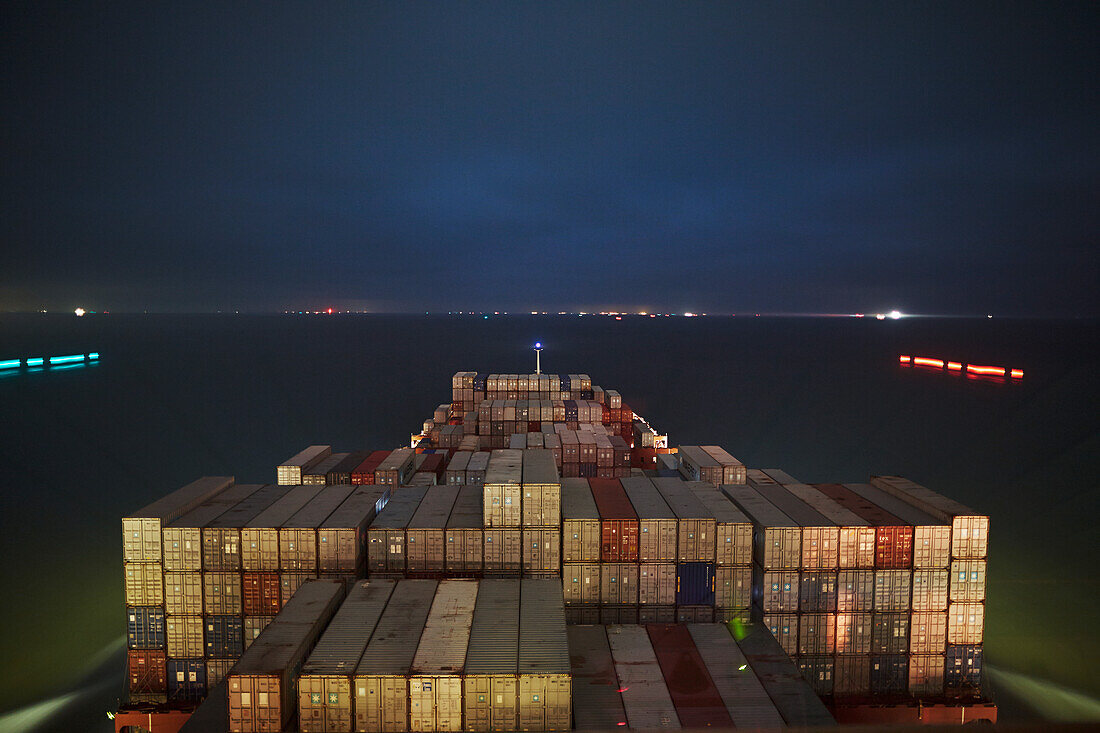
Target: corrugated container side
(298, 535)
(645, 694)
(183, 593)
(854, 633)
(386, 533)
(852, 676)
(969, 529)
(926, 675)
(435, 682)
(695, 584)
(324, 688)
(818, 671)
(618, 583)
(186, 680)
(792, 695)
(342, 537)
(543, 663)
(855, 590)
(965, 623)
(581, 583)
(425, 542)
(746, 701)
(145, 627)
(889, 674)
(503, 551)
(492, 658)
(141, 530)
(777, 539)
(928, 632)
(893, 590)
(597, 702)
(146, 672)
(221, 538)
(968, 581)
(930, 589)
(890, 634)
(261, 686)
(784, 629)
(817, 634)
(381, 688)
(541, 551)
(222, 593)
(694, 695)
(696, 530)
(657, 524)
(465, 537)
(733, 587)
(260, 535)
(656, 584)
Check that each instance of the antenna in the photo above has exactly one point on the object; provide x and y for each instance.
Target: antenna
(538, 357)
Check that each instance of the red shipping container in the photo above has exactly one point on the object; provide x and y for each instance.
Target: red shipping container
(260, 594)
(606, 417)
(146, 670)
(570, 470)
(618, 521)
(698, 703)
(534, 426)
(364, 472)
(433, 464)
(893, 537)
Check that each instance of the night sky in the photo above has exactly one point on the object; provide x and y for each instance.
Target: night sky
(939, 158)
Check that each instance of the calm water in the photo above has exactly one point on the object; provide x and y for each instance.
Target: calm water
(175, 397)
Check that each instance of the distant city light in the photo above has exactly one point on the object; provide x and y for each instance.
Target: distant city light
(895, 315)
(79, 311)
(880, 316)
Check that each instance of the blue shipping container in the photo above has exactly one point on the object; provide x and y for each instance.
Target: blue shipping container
(565, 384)
(964, 666)
(479, 382)
(186, 679)
(695, 584)
(145, 627)
(224, 637)
(889, 673)
(588, 394)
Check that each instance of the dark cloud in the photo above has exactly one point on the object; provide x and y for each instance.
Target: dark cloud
(800, 157)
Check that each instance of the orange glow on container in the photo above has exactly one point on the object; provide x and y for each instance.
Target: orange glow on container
(904, 359)
(954, 366)
(1017, 373)
(998, 371)
(925, 361)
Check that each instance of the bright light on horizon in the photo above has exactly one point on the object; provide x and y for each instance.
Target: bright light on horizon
(80, 311)
(895, 315)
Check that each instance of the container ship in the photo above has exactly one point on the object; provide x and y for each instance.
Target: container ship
(540, 558)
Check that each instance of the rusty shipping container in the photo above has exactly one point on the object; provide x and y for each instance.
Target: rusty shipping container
(325, 699)
(492, 658)
(298, 535)
(657, 523)
(381, 677)
(695, 540)
(260, 535)
(618, 521)
(386, 549)
(290, 472)
(262, 689)
(465, 536)
(424, 535)
(435, 678)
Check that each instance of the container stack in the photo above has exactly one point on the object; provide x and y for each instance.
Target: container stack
(143, 573)
(540, 514)
(657, 530)
(966, 591)
(875, 591)
(263, 684)
(695, 553)
(325, 699)
(292, 471)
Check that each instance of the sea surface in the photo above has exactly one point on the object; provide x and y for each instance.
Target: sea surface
(176, 397)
